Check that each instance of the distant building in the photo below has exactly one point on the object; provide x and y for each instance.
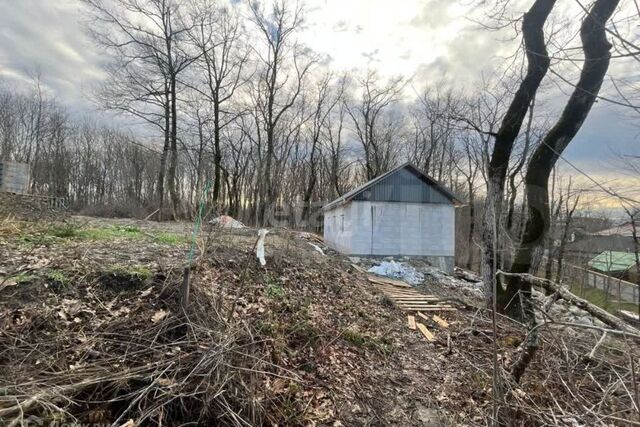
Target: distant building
(14, 177)
(588, 245)
(403, 212)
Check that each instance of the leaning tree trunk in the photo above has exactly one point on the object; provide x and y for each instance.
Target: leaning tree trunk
(538, 64)
(596, 49)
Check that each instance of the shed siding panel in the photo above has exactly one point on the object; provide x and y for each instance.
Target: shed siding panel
(411, 232)
(397, 229)
(437, 225)
(361, 226)
(388, 222)
(338, 229)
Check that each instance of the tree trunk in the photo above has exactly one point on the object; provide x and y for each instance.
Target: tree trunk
(472, 226)
(538, 63)
(165, 152)
(173, 163)
(217, 153)
(594, 310)
(596, 50)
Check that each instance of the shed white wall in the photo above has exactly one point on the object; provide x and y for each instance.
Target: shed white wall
(388, 228)
(338, 228)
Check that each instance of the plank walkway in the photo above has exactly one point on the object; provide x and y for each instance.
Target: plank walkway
(408, 299)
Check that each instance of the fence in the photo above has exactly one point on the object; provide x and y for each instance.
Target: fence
(621, 289)
(32, 207)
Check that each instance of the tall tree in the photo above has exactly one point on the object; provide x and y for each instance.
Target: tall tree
(146, 41)
(537, 65)
(217, 34)
(273, 96)
(372, 128)
(597, 56)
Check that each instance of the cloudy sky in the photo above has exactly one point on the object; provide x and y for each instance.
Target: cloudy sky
(431, 41)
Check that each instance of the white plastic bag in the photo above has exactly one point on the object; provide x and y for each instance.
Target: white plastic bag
(260, 246)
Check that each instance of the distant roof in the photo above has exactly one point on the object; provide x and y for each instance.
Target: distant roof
(345, 198)
(621, 230)
(613, 261)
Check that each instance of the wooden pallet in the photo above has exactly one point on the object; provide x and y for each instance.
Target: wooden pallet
(406, 297)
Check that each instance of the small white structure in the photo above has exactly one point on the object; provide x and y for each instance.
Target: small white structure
(14, 177)
(403, 212)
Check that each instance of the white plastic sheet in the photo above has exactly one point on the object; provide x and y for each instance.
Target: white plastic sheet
(398, 270)
(260, 246)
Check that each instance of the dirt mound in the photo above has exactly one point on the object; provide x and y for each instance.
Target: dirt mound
(298, 342)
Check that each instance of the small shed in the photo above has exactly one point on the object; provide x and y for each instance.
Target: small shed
(403, 212)
(14, 177)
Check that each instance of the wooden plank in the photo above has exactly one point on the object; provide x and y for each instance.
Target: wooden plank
(378, 280)
(423, 304)
(424, 316)
(411, 320)
(440, 321)
(358, 268)
(394, 295)
(397, 290)
(391, 284)
(419, 304)
(426, 308)
(426, 332)
(405, 294)
(394, 282)
(418, 298)
(394, 287)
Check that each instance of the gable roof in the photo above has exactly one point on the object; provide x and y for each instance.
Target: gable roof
(347, 197)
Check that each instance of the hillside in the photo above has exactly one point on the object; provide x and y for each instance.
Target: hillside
(91, 330)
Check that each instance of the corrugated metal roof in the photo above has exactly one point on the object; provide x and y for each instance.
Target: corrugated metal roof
(613, 261)
(406, 183)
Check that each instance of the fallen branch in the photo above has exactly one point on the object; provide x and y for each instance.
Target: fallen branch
(583, 304)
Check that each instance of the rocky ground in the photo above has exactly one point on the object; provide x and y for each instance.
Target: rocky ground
(92, 330)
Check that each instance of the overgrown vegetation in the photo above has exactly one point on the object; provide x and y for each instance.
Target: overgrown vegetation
(303, 340)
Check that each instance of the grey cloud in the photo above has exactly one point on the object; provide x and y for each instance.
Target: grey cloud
(47, 36)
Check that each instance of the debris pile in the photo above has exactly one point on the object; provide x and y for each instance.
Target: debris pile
(225, 221)
(398, 270)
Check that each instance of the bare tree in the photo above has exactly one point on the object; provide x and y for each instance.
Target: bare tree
(223, 55)
(325, 100)
(373, 129)
(538, 62)
(273, 97)
(146, 39)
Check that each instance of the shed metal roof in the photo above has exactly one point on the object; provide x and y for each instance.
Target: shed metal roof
(426, 179)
